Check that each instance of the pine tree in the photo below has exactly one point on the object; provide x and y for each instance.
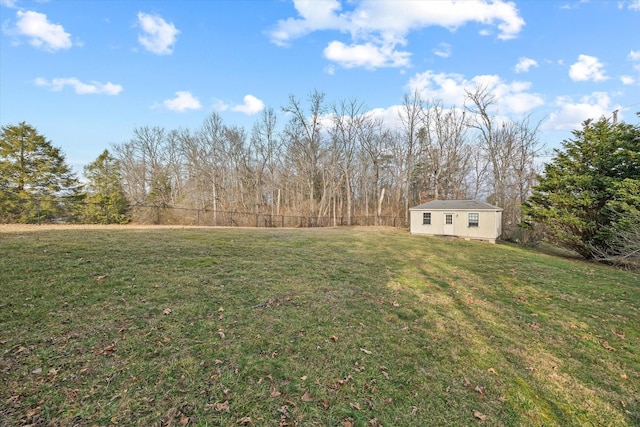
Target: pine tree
(106, 202)
(35, 180)
(590, 188)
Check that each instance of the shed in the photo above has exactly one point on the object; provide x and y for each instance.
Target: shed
(468, 219)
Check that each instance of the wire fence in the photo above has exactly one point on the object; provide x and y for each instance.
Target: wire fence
(81, 212)
(216, 218)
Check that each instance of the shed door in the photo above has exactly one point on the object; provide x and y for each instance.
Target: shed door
(448, 224)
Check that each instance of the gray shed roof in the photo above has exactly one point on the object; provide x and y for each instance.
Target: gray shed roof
(471, 205)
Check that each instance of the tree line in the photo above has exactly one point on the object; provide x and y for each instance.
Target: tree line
(336, 160)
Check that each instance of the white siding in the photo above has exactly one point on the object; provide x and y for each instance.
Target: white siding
(489, 224)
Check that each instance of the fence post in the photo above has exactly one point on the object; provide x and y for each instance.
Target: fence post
(282, 221)
(198, 217)
(256, 220)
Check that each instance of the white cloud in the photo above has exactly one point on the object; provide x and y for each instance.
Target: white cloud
(91, 88)
(183, 101)
(511, 98)
(587, 68)
(315, 15)
(330, 69)
(378, 27)
(524, 64)
(367, 55)
(158, 36)
(443, 50)
(252, 105)
(220, 105)
(9, 3)
(634, 5)
(634, 56)
(572, 113)
(390, 116)
(627, 80)
(42, 34)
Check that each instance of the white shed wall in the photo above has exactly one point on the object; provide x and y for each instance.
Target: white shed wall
(489, 224)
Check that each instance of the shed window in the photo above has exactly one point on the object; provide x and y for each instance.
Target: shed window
(426, 218)
(474, 219)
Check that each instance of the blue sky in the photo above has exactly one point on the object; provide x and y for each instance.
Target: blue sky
(86, 73)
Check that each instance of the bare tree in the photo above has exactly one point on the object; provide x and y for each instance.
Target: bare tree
(144, 166)
(623, 246)
(511, 149)
(237, 168)
(305, 149)
(446, 152)
(210, 146)
(411, 116)
(350, 121)
(265, 151)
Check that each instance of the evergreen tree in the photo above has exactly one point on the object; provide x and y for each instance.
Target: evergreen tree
(106, 202)
(35, 180)
(590, 188)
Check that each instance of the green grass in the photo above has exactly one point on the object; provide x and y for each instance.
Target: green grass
(331, 327)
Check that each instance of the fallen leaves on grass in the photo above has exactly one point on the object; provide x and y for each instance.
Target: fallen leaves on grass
(218, 406)
(355, 406)
(373, 422)
(606, 346)
(108, 349)
(166, 311)
(306, 397)
(348, 422)
(414, 411)
(273, 391)
(383, 370)
(619, 334)
(334, 338)
(492, 371)
(245, 421)
(273, 302)
(341, 382)
(479, 415)
(101, 277)
(365, 351)
(33, 412)
(284, 414)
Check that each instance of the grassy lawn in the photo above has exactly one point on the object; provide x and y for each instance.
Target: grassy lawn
(335, 327)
